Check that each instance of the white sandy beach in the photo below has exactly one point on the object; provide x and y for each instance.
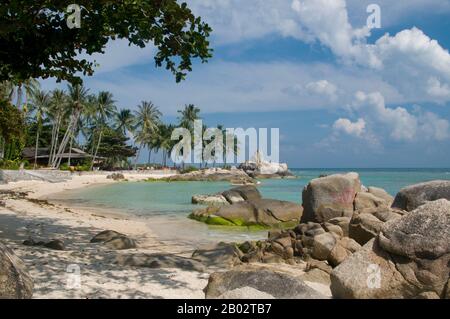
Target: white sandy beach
(32, 216)
(22, 218)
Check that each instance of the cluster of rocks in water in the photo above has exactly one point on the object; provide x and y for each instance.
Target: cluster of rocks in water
(363, 241)
(244, 206)
(233, 175)
(266, 170)
(246, 173)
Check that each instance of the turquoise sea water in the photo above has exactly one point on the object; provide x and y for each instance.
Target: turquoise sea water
(166, 205)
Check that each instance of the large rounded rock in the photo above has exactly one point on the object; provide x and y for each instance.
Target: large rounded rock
(15, 281)
(323, 244)
(245, 293)
(114, 240)
(247, 192)
(410, 258)
(329, 197)
(120, 243)
(423, 233)
(365, 226)
(364, 201)
(342, 222)
(220, 255)
(159, 261)
(272, 211)
(381, 193)
(276, 284)
(263, 212)
(105, 236)
(368, 273)
(411, 197)
(217, 199)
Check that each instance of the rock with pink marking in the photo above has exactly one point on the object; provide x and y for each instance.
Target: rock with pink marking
(329, 197)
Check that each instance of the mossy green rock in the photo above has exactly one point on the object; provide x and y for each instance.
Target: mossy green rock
(257, 214)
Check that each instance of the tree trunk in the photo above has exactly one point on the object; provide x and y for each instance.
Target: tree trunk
(67, 136)
(70, 150)
(2, 147)
(149, 155)
(36, 146)
(91, 152)
(54, 141)
(96, 150)
(55, 147)
(19, 96)
(137, 157)
(52, 144)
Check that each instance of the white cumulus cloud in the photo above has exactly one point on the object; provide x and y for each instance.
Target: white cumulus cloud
(406, 60)
(438, 90)
(401, 124)
(351, 128)
(322, 87)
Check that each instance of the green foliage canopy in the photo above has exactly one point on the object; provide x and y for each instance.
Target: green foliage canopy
(12, 124)
(114, 147)
(35, 40)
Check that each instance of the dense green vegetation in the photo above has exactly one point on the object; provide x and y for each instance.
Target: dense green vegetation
(36, 40)
(62, 120)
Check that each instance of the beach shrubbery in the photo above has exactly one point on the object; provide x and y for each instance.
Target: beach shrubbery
(10, 164)
(188, 169)
(85, 167)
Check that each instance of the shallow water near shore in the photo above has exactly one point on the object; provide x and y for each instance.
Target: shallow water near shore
(167, 205)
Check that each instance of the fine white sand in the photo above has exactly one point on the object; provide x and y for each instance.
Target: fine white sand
(53, 271)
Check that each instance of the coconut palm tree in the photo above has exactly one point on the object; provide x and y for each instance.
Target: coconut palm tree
(77, 102)
(147, 119)
(164, 141)
(57, 113)
(123, 121)
(27, 87)
(105, 109)
(188, 115)
(40, 106)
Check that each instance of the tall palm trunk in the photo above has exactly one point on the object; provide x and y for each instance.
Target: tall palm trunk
(149, 155)
(70, 150)
(137, 156)
(2, 147)
(36, 146)
(71, 128)
(19, 96)
(55, 147)
(52, 143)
(96, 150)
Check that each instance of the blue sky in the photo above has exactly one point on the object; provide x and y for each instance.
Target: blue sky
(342, 95)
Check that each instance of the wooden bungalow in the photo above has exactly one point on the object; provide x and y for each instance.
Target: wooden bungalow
(76, 156)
